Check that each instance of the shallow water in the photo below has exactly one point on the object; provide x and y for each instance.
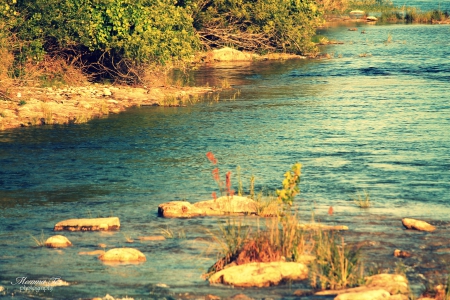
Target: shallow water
(375, 117)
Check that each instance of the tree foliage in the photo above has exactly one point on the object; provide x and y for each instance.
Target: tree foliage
(110, 35)
(114, 38)
(258, 25)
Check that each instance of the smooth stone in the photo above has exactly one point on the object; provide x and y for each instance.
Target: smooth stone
(57, 241)
(260, 274)
(417, 225)
(111, 223)
(122, 255)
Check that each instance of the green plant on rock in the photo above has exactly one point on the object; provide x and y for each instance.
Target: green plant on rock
(290, 185)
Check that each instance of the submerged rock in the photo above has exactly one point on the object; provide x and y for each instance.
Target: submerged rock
(95, 252)
(417, 225)
(123, 255)
(401, 253)
(111, 223)
(57, 241)
(218, 207)
(318, 226)
(260, 274)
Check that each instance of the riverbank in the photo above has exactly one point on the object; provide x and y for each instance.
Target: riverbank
(25, 106)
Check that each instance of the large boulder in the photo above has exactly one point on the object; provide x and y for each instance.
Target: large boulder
(57, 241)
(221, 206)
(111, 223)
(260, 274)
(122, 255)
(229, 54)
(417, 225)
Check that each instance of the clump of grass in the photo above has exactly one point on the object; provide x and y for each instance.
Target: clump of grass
(104, 108)
(47, 113)
(278, 240)
(169, 234)
(363, 201)
(39, 241)
(337, 266)
(224, 84)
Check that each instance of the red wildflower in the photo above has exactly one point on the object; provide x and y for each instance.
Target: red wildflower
(228, 180)
(211, 157)
(330, 211)
(215, 174)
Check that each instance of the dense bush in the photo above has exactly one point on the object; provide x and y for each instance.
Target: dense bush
(116, 38)
(263, 25)
(110, 35)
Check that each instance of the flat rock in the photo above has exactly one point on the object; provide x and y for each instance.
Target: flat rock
(393, 284)
(111, 223)
(318, 226)
(57, 241)
(417, 225)
(95, 252)
(123, 255)
(365, 295)
(260, 274)
(218, 207)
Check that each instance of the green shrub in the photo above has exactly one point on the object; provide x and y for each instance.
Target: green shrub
(265, 25)
(110, 36)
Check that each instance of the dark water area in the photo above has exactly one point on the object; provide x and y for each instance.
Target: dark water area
(374, 117)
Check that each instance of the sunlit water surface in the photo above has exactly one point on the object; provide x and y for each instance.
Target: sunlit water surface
(375, 117)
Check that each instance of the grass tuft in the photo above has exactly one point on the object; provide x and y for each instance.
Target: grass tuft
(337, 266)
(169, 234)
(39, 241)
(363, 201)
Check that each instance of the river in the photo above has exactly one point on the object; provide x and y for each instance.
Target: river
(374, 117)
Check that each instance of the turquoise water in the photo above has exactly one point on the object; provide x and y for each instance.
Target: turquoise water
(425, 5)
(374, 117)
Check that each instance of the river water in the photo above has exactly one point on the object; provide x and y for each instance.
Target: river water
(374, 117)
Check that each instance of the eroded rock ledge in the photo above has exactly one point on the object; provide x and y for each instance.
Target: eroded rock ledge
(111, 223)
(235, 205)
